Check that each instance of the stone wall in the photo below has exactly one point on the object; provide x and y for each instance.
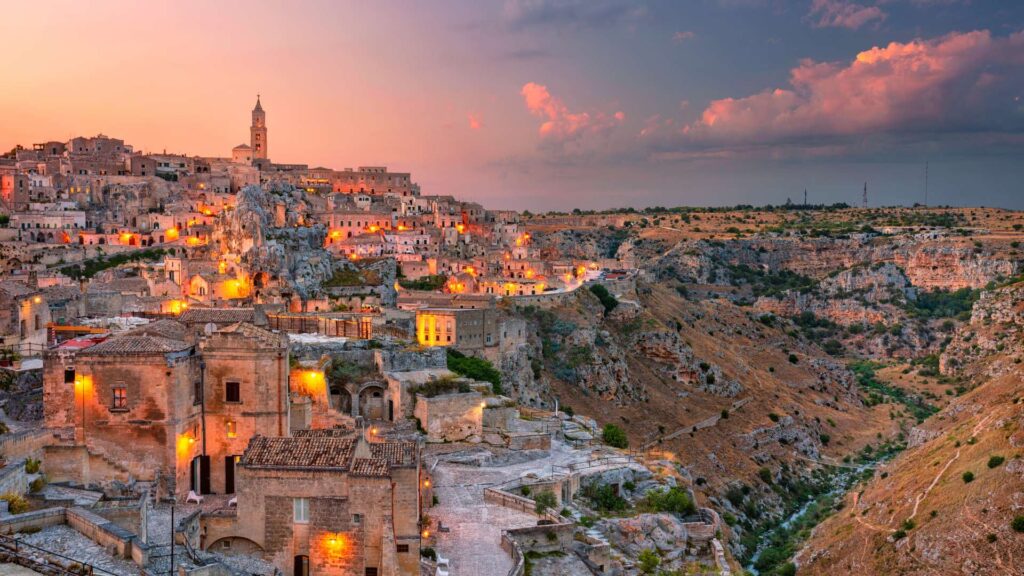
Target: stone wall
(24, 444)
(451, 417)
(13, 478)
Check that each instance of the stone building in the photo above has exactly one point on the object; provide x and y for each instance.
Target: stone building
(462, 328)
(24, 316)
(325, 502)
(163, 406)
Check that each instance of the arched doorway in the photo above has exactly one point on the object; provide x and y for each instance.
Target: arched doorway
(371, 402)
(301, 565)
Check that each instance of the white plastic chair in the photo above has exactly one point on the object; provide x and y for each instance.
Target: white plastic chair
(233, 501)
(193, 497)
(443, 562)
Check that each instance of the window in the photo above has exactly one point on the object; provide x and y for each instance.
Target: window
(403, 548)
(120, 398)
(357, 519)
(231, 429)
(371, 571)
(197, 392)
(300, 510)
(232, 392)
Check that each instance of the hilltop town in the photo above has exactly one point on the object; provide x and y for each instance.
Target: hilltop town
(227, 365)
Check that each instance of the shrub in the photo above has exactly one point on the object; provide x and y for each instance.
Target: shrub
(543, 501)
(766, 475)
(674, 500)
(37, 485)
(604, 497)
(16, 503)
(32, 466)
(428, 552)
(614, 436)
(649, 561)
(773, 416)
(968, 477)
(995, 461)
(1017, 524)
(607, 300)
(825, 439)
(793, 359)
(475, 368)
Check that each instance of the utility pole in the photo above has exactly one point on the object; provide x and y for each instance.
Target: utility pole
(864, 200)
(805, 197)
(172, 537)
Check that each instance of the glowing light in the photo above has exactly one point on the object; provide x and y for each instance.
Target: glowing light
(37, 300)
(195, 241)
(529, 273)
(426, 483)
(335, 234)
(483, 404)
(309, 382)
(171, 235)
(222, 267)
(176, 306)
(373, 431)
(373, 228)
(426, 534)
(461, 228)
(471, 271)
(353, 257)
(402, 228)
(126, 238)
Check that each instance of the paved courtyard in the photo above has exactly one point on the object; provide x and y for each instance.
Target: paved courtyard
(474, 543)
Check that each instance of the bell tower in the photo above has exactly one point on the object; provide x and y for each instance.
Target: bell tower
(258, 131)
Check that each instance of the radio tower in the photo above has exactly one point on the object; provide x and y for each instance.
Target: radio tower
(864, 200)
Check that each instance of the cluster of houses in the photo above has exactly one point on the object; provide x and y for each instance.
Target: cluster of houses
(270, 334)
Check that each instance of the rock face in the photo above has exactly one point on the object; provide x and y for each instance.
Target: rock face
(677, 541)
(679, 362)
(995, 330)
(927, 262)
(265, 230)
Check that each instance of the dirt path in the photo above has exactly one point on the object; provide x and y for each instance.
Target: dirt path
(935, 481)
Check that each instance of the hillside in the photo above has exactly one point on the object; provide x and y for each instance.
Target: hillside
(947, 505)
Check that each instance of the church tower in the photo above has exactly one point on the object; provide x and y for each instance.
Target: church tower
(258, 132)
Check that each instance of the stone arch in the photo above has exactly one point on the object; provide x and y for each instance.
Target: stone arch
(372, 403)
(232, 545)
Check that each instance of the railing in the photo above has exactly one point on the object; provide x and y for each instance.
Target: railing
(604, 460)
(10, 352)
(22, 550)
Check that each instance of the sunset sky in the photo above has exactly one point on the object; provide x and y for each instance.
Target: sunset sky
(551, 104)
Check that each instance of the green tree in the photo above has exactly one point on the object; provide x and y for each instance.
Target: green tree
(607, 300)
(614, 436)
(544, 501)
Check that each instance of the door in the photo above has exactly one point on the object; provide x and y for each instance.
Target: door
(229, 474)
(391, 410)
(204, 474)
(301, 566)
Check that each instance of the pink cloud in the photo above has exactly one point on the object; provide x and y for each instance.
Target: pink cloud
(561, 125)
(475, 122)
(959, 82)
(843, 14)
(682, 36)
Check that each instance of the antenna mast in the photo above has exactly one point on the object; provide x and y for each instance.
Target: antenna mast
(864, 200)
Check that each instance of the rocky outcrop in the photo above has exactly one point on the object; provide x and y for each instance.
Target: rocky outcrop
(680, 364)
(265, 230)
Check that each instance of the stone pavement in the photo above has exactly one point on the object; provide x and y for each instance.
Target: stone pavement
(66, 541)
(474, 543)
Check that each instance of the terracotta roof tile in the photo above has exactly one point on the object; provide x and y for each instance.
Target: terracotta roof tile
(299, 453)
(216, 315)
(136, 344)
(370, 467)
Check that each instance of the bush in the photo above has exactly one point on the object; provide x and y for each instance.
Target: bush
(614, 436)
(605, 498)
(649, 561)
(765, 475)
(16, 503)
(996, 461)
(793, 359)
(32, 466)
(825, 439)
(428, 552)
(968, 477)
(1017, 524)
(543, 501)
(607, 300)
(475, 368)
(37, 485)
(674, 500)
(773, 416)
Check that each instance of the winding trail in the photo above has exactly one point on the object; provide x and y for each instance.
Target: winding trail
(923, 495)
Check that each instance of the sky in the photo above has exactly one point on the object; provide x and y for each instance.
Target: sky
(551, 104)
